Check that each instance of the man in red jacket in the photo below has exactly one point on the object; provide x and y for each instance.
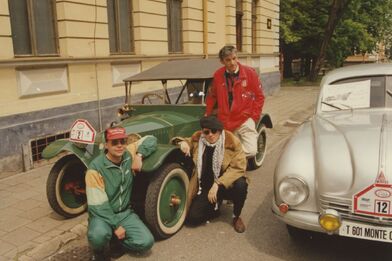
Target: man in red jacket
(237, 92)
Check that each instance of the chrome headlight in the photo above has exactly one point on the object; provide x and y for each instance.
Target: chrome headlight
(293, 191)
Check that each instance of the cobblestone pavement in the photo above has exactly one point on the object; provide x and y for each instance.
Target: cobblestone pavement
(30, 230)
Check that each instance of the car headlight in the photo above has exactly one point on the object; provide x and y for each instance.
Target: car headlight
(293, 191)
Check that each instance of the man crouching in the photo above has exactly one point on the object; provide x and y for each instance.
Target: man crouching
(220, 166)
(109, 181)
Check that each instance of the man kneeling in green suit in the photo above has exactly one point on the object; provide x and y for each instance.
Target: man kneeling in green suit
(109, 182)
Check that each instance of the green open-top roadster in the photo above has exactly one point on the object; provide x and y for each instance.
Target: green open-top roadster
(159, 194)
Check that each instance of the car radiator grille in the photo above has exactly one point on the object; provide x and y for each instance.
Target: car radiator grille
(344, 208)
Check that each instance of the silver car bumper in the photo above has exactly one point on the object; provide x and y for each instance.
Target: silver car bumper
(301, 219)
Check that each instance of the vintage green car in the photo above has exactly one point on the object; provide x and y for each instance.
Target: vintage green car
(159, 194)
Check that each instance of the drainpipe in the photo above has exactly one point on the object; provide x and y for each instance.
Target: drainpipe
(96, 68)
(205, 29)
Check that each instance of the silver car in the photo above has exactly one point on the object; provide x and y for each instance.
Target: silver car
(335, 173)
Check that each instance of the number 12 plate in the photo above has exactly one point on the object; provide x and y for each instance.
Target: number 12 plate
(374, 200)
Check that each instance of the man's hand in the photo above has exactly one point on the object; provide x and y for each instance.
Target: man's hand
(120, 232)
(212, 194)
(185, 148)
(137, 163)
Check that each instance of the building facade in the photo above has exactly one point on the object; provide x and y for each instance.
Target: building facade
(61, 60)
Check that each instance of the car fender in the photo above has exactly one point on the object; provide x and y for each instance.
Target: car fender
(58, 146)
(163, 154)
(297, 160)
(266, 120)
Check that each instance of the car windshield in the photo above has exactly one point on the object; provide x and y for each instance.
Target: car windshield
(350, 95)
(359, 93)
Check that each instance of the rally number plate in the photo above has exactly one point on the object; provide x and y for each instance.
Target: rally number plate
(365, 231)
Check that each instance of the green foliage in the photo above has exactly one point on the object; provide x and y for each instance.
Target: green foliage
(364, 24)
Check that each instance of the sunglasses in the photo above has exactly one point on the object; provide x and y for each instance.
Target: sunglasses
(207, 131)
(118, 141)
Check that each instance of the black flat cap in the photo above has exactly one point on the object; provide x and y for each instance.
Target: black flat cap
(211, 122)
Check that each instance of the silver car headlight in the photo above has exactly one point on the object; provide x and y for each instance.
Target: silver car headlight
(293, 191)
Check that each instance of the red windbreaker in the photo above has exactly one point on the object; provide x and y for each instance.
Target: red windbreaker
(248, 97)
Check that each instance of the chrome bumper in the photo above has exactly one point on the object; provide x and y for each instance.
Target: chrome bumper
(297, 218)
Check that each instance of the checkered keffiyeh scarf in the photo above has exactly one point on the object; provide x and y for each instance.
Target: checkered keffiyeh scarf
(217, 157)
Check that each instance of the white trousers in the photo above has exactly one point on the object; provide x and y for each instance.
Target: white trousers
(248, 135)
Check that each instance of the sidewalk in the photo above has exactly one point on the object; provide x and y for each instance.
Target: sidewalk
(30, 230)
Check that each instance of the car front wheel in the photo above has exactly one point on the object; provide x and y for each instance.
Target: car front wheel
(166, 198)
(65, 187)
(256, 161)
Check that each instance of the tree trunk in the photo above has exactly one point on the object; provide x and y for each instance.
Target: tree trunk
(336, 12)
(287, 60)
(308, 62)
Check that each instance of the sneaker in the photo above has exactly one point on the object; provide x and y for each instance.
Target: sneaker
(238, 225)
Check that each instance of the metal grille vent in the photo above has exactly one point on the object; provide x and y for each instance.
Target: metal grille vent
(38, 145)
(344, 208)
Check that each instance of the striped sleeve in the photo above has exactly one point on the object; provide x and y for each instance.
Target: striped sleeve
(97, 199)
(147, 145)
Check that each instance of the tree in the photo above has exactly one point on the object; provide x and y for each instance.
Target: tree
(316, 31)
(301, 29)
(338, 7)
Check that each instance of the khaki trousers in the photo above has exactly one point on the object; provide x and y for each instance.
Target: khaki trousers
(248, 135)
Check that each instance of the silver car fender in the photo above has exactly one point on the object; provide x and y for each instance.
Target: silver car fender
(298, 160)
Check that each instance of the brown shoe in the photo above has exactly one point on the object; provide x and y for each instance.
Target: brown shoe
(238, 225)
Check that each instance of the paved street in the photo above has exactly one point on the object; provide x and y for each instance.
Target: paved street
(29, 229)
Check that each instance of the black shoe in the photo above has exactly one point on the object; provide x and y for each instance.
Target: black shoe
(98, 255)
(238, 225)
(116, 249)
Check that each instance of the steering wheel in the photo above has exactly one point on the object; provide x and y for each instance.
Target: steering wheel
(148, 98)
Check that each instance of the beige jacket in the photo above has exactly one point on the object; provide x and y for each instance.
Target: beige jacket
(233, 165)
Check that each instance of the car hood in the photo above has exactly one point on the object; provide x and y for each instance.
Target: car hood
(352, 151)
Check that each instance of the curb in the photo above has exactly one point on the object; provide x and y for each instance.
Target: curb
(50, 248)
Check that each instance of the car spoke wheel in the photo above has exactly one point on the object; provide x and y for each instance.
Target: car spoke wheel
(256, 161)
(165, 207)
(65, 187)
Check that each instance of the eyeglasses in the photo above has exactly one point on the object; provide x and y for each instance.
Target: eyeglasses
(207, 131)
(118, 141)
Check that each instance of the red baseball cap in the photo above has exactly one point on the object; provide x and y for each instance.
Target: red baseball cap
(115, 133)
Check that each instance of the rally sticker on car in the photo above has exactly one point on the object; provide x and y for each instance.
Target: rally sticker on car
(374, 200)
(82, 131)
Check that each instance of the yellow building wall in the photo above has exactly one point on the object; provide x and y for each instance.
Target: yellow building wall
(215, 19)
(150, 27)
(83, 34)
(247, 26)
(82, 29)
(269, 38)
(192, 25)
(230, 22)
(6, 50)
